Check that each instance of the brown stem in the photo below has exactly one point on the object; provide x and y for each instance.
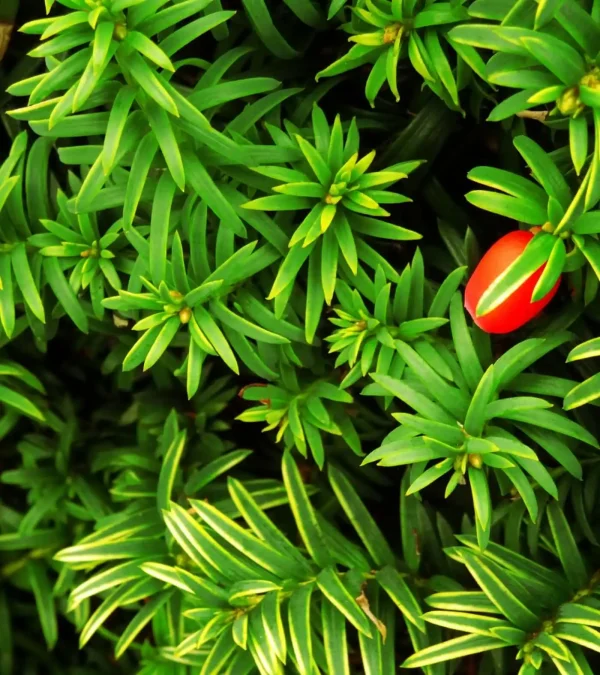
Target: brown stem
(539, 115)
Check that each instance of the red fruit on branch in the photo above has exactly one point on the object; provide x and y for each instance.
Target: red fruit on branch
(518, 308)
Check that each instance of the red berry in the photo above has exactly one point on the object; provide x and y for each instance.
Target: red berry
(517, 309)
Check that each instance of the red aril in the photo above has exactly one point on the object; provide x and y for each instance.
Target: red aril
(518, 308)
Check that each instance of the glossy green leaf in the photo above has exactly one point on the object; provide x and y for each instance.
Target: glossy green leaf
(42, 591)
(583, 393)
(360, 518)
(552, 271)
(168, 471)
(524, 210)
(578, 141)
(263, 554)
(477, 411)
(140, 620)
(559, 57)
(334, 590)
(300, 630)
(566, 547)
(498, 593)
(453, 649)
(402, 596)
(304, 514)
(25, 281)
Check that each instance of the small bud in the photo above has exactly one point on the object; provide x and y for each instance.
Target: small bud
(38, 553)
(591, 79)
(338, 189)
(568, 102)
(120, 32)
(182, 560)
(391, 32)
(476, 461)
(185, 315)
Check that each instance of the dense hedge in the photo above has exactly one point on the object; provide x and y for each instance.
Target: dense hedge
(217, 213)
